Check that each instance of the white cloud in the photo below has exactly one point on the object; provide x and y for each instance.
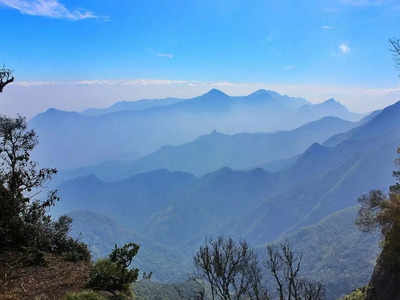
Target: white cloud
(48, 8)
(168, 55)
(327, 27)
(344, 48)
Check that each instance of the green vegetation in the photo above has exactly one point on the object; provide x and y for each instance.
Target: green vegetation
(358, 294)
(113, 274)
(29, 236)
(380, 210)
(24, 222)
(85, 295)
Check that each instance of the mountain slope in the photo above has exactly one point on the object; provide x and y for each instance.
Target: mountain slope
(240, 151)
(336, 252)
(130, 201)
(216, 150)
(101, 233)
(326, 179)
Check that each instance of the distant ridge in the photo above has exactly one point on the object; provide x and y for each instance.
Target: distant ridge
(128, 130)
(215, 150)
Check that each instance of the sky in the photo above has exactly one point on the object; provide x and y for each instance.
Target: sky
(75, 54)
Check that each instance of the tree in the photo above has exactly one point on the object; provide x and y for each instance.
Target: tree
(284, 265)
(20, 176)
(379, 210)
(231, 269)
(233, 272)
(6, 77)
(24, 219)
(113, 273)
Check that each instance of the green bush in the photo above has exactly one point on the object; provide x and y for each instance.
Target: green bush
(113, 274)
(85, 295)
(358, 294)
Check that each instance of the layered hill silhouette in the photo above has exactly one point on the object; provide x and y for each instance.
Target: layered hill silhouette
(257, 204)
(301, 202)
(216, 150)
(129, 130)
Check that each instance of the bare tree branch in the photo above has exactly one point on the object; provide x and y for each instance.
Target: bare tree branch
(6, 77)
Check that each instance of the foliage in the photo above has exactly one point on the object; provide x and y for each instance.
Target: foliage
(358, 294)
(24, 222)
(380, 210)
(85, 295)
(113, 274)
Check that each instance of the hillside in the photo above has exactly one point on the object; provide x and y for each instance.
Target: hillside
(336, 252)
(336, 177)
(101, 233)
(40, 282)
(150, 290)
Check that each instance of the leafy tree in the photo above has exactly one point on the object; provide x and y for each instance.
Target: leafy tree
(382, 211)
(6, 77)
(24, 219)
(358, 294)
(113, 274)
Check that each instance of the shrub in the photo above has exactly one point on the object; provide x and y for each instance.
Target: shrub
(113, 274)
(358, 294)
(85, 295)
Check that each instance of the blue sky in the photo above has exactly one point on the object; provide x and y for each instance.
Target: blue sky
(313, 44)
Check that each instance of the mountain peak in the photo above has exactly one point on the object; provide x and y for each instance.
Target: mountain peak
(215, 93)
(331, 101)
(263, 92)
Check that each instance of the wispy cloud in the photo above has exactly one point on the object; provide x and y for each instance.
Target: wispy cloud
(48, 8)
(327, 27)
(344, 48)
(124, 82)
(364, 2)
(167, 55)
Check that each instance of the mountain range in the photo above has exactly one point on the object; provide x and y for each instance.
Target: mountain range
(302, 202)
(216, 150)
(130, 130)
